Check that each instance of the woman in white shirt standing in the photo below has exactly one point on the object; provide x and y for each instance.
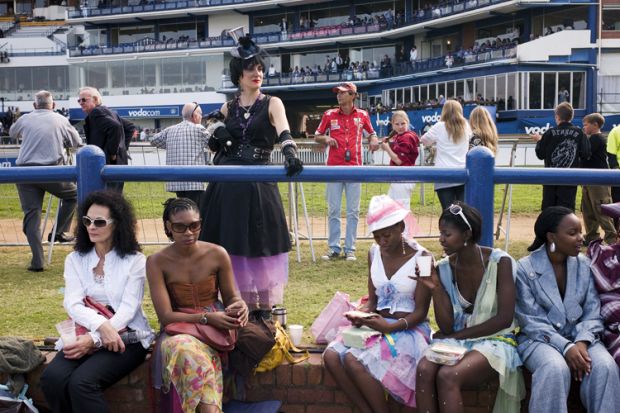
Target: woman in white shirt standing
(451, 137)
(108, 267)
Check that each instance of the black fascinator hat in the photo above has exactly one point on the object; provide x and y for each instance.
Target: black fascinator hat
(245, 48)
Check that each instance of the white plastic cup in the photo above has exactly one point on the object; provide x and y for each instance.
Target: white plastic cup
(424, 264)
(66, 329)
(296, 331)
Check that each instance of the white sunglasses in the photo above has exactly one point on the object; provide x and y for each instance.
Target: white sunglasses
(458, 210)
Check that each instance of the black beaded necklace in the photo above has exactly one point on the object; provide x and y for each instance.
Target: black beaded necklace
(246, 118)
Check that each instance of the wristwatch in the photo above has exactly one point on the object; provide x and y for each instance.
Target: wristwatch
(204, 320)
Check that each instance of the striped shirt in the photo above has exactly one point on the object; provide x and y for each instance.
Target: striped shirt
(184, 144)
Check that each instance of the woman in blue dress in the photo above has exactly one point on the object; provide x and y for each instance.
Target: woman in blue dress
(473, 292)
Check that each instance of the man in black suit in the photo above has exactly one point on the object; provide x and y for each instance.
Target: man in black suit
(104, 129)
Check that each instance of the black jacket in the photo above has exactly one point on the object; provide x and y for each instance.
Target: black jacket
(565, 146)
(104, 129)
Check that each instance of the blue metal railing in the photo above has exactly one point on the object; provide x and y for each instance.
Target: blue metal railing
(479, 176)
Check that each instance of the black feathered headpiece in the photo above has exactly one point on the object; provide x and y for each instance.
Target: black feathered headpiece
(245, 48)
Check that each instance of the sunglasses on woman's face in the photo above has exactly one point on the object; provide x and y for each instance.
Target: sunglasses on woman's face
(98, 222)
(457, 210)
(181, 228)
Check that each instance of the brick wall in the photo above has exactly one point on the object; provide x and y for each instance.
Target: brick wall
(302, 388)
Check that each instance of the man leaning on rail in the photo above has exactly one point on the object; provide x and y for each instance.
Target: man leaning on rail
(44, 134)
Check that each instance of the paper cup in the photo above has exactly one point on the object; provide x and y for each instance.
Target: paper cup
(424, 264)
(66, 329)
(296, 331)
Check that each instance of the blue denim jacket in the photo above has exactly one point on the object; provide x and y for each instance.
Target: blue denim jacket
(542, 314)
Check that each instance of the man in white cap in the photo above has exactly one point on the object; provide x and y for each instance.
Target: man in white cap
(341, 130)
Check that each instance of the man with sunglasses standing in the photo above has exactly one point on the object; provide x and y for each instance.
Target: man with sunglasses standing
(44, 135)
(105, 129)
(341, 130)
(185, 143)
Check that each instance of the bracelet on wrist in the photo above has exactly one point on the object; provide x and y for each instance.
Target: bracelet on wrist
(406, 323)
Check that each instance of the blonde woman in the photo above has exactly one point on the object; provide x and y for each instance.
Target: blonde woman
(402, 146)
(451, 137)
(483, 129)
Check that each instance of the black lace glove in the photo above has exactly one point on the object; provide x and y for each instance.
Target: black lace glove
(219, 137)
(292, 163)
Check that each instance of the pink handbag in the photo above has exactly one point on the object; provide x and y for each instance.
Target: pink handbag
(326, 326)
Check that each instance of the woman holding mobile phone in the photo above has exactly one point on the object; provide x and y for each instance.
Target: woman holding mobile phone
(400, 314)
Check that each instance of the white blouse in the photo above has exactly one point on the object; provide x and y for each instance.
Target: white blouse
(123, 284)
(449, 154)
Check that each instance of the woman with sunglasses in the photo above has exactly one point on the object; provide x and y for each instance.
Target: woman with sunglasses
(247, 218)
(108, 267)
(473, 293)
(192, 273)
(559, 312)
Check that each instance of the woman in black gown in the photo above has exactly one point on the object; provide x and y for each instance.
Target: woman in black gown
(247, 218)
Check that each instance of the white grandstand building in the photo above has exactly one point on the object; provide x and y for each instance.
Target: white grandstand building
(149, 57)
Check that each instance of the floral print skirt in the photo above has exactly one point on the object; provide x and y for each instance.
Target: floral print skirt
(194, 369)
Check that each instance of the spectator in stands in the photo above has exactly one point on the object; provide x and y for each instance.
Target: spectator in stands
(106, 266)
(563, 95)
(559, 314)
(473, 293)
(185, 144)
(484, 131)
(605, 269)
(104, 129)
(247, 218)
(402, 146)
(593, 196)
(564, 146)
(194, 274)
(44, 135)
(451, 137)
(341, 131)
(613, 156)
(413, 56)
(401, 306)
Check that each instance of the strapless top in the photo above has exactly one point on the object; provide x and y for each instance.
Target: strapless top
(198, 295)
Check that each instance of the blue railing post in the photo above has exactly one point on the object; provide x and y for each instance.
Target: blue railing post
(479, 189)
(90, 162)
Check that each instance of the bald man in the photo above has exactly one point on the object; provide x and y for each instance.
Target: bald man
(185, 144)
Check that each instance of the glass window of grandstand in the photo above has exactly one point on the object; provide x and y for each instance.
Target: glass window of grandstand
(179, 32)
(120, 36)
(23, 82)
(377, 13)
(611, 20)
(333, 16)
(555, 21)
(272, 23)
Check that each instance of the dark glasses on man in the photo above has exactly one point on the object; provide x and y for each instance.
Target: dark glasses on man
(98, 222)
(181, 228)
(195, 107)
(456, 209)
(82, 100)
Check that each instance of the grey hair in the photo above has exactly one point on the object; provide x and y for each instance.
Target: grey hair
(94, 93)
(43, 99)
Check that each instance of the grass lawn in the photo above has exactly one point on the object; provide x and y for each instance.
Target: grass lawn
(32, 302)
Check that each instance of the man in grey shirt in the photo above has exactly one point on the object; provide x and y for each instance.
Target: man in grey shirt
(44, 134)
(184, 144)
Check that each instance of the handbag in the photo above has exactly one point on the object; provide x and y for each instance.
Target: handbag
(104, 310)
(331, 319)
(280, 352)
(254, 341)
(219, 339)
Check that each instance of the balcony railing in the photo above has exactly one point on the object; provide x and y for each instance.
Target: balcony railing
(402, 69)
(439, 11)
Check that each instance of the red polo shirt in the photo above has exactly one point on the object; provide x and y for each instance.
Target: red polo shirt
(347, 130)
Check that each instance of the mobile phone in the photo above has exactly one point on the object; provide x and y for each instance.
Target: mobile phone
(347, 155)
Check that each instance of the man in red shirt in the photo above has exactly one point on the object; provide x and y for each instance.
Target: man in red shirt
(342, 131)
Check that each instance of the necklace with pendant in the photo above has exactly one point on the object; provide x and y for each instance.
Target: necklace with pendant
(247, 113)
